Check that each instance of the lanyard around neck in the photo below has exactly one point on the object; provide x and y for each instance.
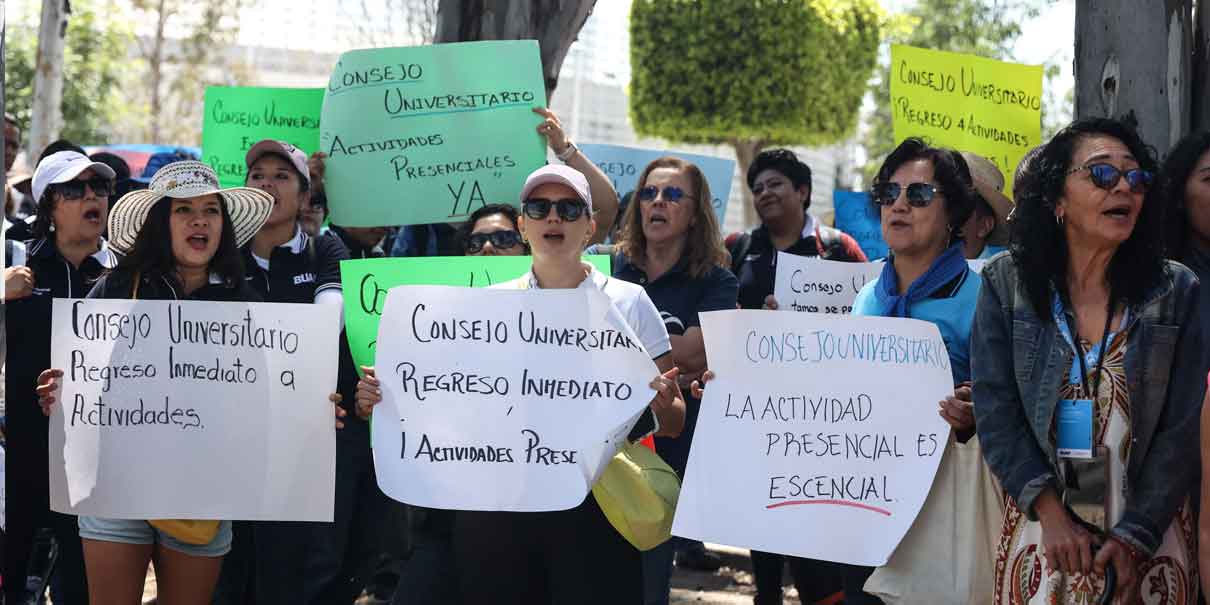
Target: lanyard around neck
(1079, 353)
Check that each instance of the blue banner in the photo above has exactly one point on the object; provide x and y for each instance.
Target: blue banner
(857, 216)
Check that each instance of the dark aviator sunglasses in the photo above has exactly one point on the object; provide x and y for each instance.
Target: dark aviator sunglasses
(569, 209)
(74, 190)
(919, 195)
(672, 194)
(501, 240)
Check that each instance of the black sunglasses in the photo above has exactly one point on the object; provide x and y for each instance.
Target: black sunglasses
(74, 190)
(672, 194)
(919, 195)
(501, 240)
(570, 209)
(1106, 176)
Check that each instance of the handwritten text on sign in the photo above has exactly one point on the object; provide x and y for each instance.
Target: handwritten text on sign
(821, 432)
(237, 117)
(857, 216)
(814, 285)
(193, 410)
(366, 282)
(966, 102)
(509, 400)
(623, 165)
(428, 134)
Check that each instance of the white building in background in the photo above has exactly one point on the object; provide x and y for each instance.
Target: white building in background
(591, 100)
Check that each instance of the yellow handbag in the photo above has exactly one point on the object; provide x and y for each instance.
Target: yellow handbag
(187, 531)
(638, 493)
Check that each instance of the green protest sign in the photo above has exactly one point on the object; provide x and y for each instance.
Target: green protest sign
(239, 116)
(365, 283)
(428, 134)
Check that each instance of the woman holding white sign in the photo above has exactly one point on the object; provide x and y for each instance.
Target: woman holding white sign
(1090, 366)
(576, 555)
(180, 238)
(925, 196)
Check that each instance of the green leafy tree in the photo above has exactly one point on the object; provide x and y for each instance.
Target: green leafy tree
(987, 28)
(751, 74)
(94, 62)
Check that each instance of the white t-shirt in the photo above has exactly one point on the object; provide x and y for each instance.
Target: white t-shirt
(629, 300)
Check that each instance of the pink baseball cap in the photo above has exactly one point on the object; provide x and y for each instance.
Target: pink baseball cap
(296, 156)
(558, 173)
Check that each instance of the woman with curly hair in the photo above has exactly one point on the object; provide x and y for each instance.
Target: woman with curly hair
(1089, 368)
(1185, 187)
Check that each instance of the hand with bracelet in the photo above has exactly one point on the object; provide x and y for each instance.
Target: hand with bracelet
(604, 198)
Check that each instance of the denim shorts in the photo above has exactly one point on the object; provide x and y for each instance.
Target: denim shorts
(135, 531)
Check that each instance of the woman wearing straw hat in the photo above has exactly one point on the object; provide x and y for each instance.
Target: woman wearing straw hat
(985, 232)
(180, 240)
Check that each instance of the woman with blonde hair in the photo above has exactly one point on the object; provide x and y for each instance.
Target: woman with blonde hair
(671, 246)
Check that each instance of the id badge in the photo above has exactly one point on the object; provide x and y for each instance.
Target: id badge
(1075, 428)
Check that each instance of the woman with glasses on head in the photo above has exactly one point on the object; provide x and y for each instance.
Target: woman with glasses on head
(1089, 368)
(576, 555)
(670, 246)
(492, 231)
(924, 195)
(66, 255)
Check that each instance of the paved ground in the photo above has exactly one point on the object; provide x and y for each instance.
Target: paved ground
(731, 585)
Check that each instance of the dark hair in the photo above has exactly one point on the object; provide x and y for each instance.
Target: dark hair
(304, 180)
(11, 120)
(152, 255)
(949, 170)
(1039, 245)
(785, 162)
(467, 228)
(120, 168)
(1174, 176)
(57, 146)
(703, 244)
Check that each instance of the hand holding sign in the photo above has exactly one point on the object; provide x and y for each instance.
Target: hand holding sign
(428, 134)
(815, 423)
(229, 395)
(502, 399)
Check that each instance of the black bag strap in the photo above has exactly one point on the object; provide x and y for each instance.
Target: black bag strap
(739, 249)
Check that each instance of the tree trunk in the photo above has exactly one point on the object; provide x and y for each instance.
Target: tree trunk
(745, 154)
(47, 107)
(553, 23)
(1201, 68)
(1133, 62)
(155, 64)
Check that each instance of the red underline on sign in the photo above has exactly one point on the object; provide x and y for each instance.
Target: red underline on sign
(881, 511)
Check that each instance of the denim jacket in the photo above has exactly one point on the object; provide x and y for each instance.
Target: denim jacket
(1019, 361)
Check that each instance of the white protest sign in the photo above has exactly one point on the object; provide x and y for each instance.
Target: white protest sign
(819, 437)
(194, 410)
(510, 400)
(814, 285)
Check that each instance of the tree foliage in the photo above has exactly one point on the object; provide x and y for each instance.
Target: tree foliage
(987, 28)
(764, 71)
(94, 60)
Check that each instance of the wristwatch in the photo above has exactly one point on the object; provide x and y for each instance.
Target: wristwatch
(567, 153)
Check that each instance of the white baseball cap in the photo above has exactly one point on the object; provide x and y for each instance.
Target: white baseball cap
(63, 166)
(558, 173)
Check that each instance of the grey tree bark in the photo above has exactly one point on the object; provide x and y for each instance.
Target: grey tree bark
(1201, 67)
(553, 23)
(47, 109)
(1133, 61)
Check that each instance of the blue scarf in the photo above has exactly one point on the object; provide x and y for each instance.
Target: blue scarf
(945, 268)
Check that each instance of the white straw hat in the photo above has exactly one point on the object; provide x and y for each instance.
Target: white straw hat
(247, 207)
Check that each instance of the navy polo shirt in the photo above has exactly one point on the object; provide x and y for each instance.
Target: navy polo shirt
(298, 269)
(680, 296)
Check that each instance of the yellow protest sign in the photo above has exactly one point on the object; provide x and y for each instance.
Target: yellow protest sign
(969, 103)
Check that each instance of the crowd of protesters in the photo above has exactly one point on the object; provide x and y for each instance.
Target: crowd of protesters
(1090, 296)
